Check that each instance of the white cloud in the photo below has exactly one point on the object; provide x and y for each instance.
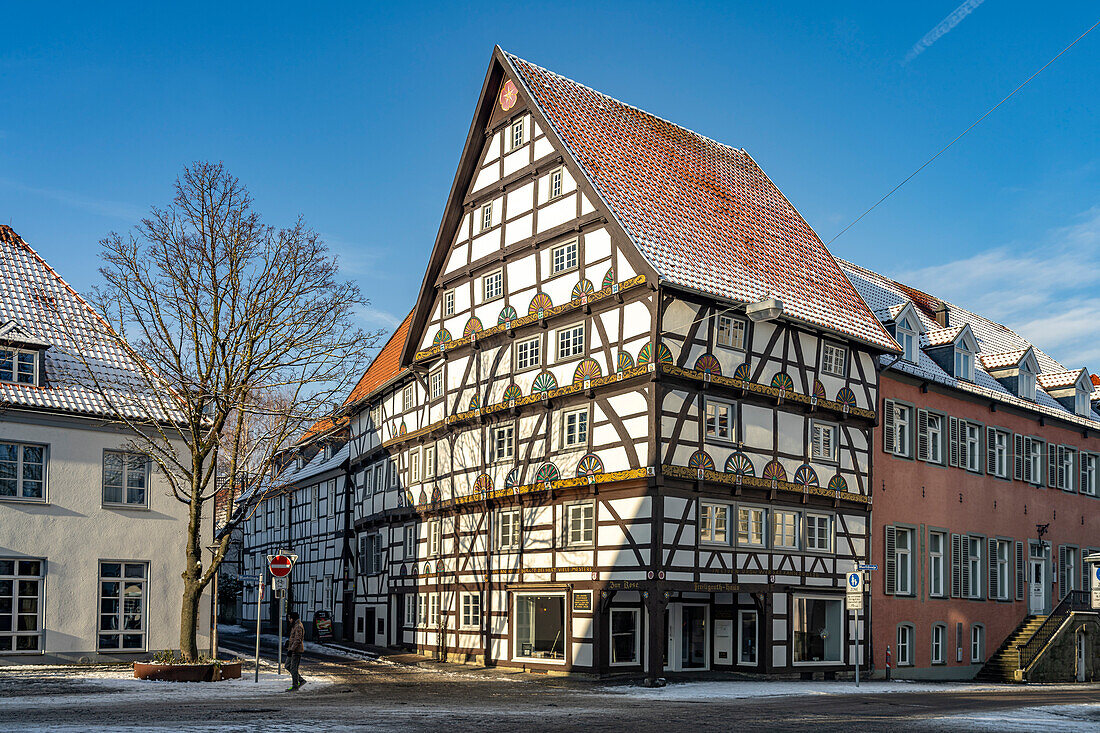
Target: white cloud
(377, 317)
(1047, 293)
(103, 207)
(354, 259)
(942, 28)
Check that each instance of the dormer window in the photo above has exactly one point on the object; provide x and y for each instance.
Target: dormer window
(964, 364)
(1026, 384)
(18, 366)
(1082, 404)
(907, 339)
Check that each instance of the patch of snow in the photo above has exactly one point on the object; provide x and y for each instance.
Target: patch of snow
(1062, 718)
(732, 690)
(233, 629)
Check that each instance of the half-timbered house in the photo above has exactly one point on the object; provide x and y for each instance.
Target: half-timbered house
(627, 425)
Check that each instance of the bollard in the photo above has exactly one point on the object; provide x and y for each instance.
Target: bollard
(887, 661)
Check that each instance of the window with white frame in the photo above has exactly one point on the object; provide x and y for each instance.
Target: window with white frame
(433, 610)
(834, 360)
(625, 635)
(580, 523)
(574, 428)
(435, 384)
(563, 258)
(750, 526)
(516, 137)
(125, 478)
(540, 623)
(422, 610)
(977, 643)
(1025, 382)
(502, 443)
(903, 561)
(730, 332)
(714, 523)
(379, 478)
(823, 445)
(22, 471)
(964, 365)
(897, 434)
(508, 529)
(1002, 578)
(819, 532)
(973, 549)
(939, 643)
(394, 478)
(492, 285)
(487, 216)
(414, 466)
(376, 416)
(555, 183)
(448, 303)
(410, 541)
(407, 398)
(571, 342)
(1082, 403)
(21, 604)
(122, 600)
(935, 438)
(18, 366)
(907, 339)
(528, 353)
(818, 626)
(905, 645)
(410, 610)
(471, 610)
(997, 448)
(429, 461)
(1067, 457)
(785, 529)
(718, 421)
(1034, 469)
(936, 563)
(372, 554)
(972, 436)
(435, 537)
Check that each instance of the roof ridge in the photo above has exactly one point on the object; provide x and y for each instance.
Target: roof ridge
(512, 56)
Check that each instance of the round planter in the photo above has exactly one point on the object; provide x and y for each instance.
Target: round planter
(187, 672)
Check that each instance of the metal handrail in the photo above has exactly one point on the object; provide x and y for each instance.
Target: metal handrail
(1075, 600)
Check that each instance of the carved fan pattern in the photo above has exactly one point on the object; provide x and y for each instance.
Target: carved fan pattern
(539, 303)
(589, 465)
(513, 392)
(442, 337)
(708, 364)
(782, 380)
(472, 326)
(547, 472)
(701, 459)
(584, 287)
(740, 464)
(624, 361)
(544, 382)
(775, 470)
(507, 313)
(805, 475)
(587, 369)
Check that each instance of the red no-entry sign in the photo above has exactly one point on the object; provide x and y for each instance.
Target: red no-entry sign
(280, 566)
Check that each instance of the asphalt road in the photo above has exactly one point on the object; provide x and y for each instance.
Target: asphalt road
(378, 696)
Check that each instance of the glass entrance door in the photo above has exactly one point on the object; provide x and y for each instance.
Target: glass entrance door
(693, 637)
(1036, 590)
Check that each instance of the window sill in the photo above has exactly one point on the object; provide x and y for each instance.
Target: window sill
(127, 507)
(714, 544)
(565, 270)
(23, 500)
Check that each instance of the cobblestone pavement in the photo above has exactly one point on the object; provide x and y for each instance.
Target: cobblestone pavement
(346, 694)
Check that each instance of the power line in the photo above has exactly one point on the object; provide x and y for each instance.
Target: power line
(972, 126)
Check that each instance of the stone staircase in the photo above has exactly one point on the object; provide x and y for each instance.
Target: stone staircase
(1002, 666)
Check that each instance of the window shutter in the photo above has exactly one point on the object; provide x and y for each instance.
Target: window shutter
(956, 566)
(1083, 473)
(964, 451)
(994, 581)
(1062, 570)
(991, 451)
(922, 435)
(1052, 465)
(1019, 571)
(1061, 453)
(964, 566)
(890, 562)
(1018, 456)
(953, 439)
(888, 436)
(1086, 578)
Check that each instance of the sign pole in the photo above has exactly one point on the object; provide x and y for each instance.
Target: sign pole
(282, 613)
(856, 656)
(259, 597)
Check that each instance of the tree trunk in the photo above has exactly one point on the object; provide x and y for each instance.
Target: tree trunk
(189, 620)
(192, 580)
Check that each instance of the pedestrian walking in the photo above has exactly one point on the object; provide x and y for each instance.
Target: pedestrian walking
(295, 645)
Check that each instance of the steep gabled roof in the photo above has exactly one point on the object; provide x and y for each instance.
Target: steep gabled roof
(1068, 378)
(1003, 359)
(383, 367)
(701, 215)
(46, 311)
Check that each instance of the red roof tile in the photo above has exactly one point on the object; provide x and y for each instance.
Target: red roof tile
(385, 366)
(703, 214)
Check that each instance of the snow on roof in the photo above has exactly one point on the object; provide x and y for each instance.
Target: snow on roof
(38, 306)
(941, 336)
(1003, 359)
(1054, 380)
(993, 338)
(703, 214)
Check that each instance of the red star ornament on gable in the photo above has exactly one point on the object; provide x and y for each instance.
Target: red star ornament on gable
(508, 95)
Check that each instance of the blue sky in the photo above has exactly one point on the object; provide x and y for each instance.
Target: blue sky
(354, 116)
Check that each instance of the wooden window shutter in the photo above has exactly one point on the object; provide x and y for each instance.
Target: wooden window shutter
(953, 439)
(1020, 577)
(991, 451)
(994, 581)
(1086, 577)
(956, 566)
(922, 435)
(888, 435)
(1028, 467)
(1018, 456)
(1082, 473)
(1052, 465)
(890, 562)
(964, 566)
(964, 451)
(1062, 552)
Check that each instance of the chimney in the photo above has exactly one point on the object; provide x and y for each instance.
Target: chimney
(942, 316)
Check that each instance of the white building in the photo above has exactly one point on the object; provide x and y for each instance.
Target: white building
(91, 537)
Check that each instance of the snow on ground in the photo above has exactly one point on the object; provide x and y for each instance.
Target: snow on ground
(781, 688)
(1061, 718)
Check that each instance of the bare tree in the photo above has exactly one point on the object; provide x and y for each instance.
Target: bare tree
(245, 333)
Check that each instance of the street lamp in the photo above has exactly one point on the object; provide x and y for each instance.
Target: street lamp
(767, 309)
